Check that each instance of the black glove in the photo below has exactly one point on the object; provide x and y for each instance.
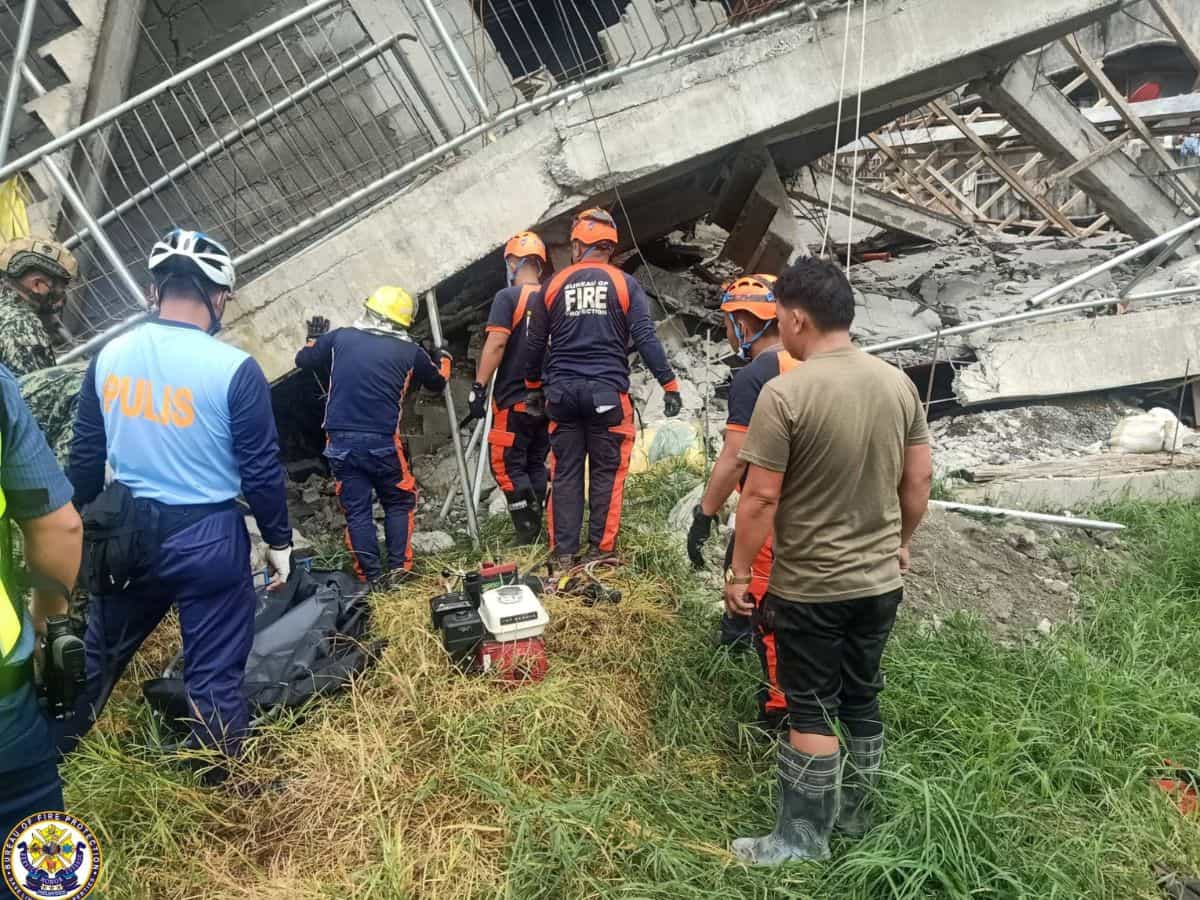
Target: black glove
(535, 403)
(672, 404)
(697, 535)
(317, 326)
(477, 401)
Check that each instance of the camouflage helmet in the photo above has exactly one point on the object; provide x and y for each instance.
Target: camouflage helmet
(21, 255)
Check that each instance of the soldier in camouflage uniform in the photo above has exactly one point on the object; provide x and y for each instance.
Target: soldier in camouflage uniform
(53, 397)
(34, 275)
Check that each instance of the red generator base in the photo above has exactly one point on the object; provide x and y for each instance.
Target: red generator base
(514, 661)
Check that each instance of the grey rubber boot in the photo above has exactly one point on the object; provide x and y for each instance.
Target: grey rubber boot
(808, 807)
(863, 763)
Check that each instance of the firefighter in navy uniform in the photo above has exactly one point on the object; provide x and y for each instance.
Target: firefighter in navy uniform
(35, 495)
(518, 442)
(579, 333)
(750, 325)
(371, 367)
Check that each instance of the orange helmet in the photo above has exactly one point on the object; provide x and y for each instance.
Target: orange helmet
(753, 293)
(525, 243)
(593, 226)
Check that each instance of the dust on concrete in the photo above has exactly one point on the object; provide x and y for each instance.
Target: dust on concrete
(1071, 427)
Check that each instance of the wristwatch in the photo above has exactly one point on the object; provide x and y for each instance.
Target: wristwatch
(732, 578)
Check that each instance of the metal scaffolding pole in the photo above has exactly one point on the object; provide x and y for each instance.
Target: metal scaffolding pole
(456, 59)
(12, 97)
(77, 203)
(231, 137)
(477, 488)
(435, 331)
(178, 78)
(1049, 294)
(1069, 521)
(426, 159)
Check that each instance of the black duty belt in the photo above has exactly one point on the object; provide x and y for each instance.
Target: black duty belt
(15, 677)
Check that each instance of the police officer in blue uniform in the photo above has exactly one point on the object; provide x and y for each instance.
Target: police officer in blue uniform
(185, 422)
(35, 495)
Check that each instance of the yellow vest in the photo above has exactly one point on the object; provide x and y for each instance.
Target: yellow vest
(10, 613)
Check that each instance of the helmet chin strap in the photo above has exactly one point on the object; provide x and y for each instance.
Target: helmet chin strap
(745, 342)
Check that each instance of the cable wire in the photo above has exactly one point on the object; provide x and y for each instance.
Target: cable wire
(862, 59)
(837, 132)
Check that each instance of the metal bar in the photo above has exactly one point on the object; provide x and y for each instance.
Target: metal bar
(12, 97)
(420, 162)
(937, 349)
(126, 280)
(459, 66)
(1049, 294)
(477, 488)
(435, 331)
(1183, 388)
(1069, 521)
(476, 435)
(1146, 270)
(163, 86)
(1165, 292)
(234, 135)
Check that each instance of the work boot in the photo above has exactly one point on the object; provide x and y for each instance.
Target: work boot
(737, 632)
(808, 807)
(526, 514)
(863, 761)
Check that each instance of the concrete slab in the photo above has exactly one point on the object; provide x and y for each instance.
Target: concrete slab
(876, 207)
(1114, 182)
(1083, 355)
(1079, 492)
(783, 85)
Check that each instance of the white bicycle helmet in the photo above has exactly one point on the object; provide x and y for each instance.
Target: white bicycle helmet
(193, 253)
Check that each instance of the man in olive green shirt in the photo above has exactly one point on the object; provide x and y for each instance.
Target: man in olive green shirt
(839, 460)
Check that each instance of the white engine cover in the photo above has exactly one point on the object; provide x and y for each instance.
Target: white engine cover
(513, 613)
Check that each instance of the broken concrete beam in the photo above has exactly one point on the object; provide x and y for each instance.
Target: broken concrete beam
(875, 207)
(1079, 483)
(783, 84)
(1051, 359)
(765, 236)
(1044, 116)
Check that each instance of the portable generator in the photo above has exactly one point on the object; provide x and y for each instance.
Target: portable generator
(494, 624)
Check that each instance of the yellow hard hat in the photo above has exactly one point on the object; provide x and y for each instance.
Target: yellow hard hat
(392, 303)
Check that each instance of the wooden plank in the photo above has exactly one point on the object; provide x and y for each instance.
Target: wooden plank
(1094, 466)
(891, 154)
(1005, 171)
(1110, 92)
(1004, 188)
(1091, 159)
(1096, 226)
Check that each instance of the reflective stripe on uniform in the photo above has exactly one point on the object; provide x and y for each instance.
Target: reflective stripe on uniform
(10, 614)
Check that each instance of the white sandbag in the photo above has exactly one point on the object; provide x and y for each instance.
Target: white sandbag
(1150, 432)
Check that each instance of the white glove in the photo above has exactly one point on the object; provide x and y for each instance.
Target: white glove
(279, 564)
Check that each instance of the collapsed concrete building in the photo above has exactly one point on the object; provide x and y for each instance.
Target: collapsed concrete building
(341, 144)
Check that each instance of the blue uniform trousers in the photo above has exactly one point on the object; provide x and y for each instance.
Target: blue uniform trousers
(363, 463)
(593, 424)
(203, 568)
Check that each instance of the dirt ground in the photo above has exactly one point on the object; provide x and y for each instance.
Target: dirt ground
(1016, 578)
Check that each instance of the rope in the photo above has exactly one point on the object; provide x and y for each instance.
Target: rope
(862, 59)
(837, 133)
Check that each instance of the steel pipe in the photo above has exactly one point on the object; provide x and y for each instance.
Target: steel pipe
(1068, 521)
(421, 162)
(234, 135)
(178, 78)
(13, 95)
(456, 59)
(1044, 296)
(127, 281)
(476, 435)
(477, 488)
(435, 331)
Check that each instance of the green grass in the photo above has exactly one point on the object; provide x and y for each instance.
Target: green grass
(1020, 772)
